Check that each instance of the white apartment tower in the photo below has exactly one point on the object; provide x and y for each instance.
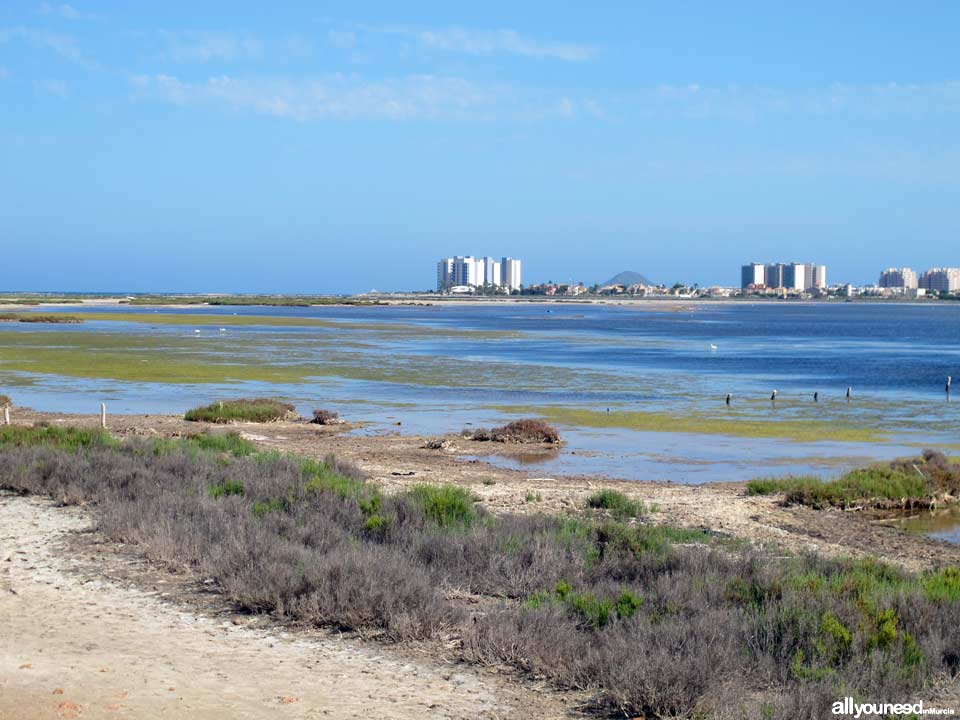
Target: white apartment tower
(898, 278)
(468, 271)
(510, 273)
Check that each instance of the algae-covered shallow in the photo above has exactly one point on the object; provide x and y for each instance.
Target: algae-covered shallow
(637, 393)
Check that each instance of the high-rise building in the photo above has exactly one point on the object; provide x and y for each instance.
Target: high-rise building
(784, 276)
(752, 274)
(898, 278)
(491, 272)
(510, 273)
(940, 280)
(468, 271)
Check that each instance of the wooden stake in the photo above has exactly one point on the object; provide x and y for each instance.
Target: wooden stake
(103, 415)
(6, 415)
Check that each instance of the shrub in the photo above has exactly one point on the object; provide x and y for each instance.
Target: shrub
(35, 318)
(326, 417)
(5, 401)
(518, 431)
(912, 481)
(617, 503)
(653, 620)
(446, 505)
(259, 410)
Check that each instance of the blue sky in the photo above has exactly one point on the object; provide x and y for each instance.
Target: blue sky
(338, 147)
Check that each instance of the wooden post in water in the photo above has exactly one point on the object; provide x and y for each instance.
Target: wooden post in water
(103, 415)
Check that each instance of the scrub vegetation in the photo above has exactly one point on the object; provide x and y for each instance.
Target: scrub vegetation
(653, 620)
(518, 431)
(910, 482)
(5, 401)
(36, 318)
(618, 503)
(243, 410)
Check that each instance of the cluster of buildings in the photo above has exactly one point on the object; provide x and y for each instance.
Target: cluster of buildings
(465, 273)
(799, 277)
(934, 280)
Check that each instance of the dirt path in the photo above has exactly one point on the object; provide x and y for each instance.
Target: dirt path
(75, 644)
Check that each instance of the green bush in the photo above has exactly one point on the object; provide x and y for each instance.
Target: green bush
(446, 505)
(227, 487)
(617, 503)
(242, 410)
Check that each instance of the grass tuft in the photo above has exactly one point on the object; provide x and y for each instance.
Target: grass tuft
(617, 503)
(259, 410)
(446, 505)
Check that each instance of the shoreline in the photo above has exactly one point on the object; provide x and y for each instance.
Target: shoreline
(396, 462)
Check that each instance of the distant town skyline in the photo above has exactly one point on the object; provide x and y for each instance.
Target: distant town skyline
(183, 147)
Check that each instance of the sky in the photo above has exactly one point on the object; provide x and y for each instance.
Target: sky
(312, 147)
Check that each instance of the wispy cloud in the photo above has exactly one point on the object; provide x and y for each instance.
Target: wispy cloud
(752, 103)
(63, 45)
(487, 42)
(190, 46)
(470, 41)
(65, 11)
(333, 97)
(343, 97)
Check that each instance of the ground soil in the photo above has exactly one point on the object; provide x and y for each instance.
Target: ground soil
(92, 630)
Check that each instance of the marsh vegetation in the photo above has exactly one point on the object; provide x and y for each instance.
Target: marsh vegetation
(923, 481)
(652, 619)
(259, 410)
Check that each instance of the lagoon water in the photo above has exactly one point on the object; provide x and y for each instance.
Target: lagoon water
(444, 367)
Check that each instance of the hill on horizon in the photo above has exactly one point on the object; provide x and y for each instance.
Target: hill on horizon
(628, 278)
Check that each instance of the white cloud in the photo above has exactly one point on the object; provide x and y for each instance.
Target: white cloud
(65, 11)
(487, 42)
(343, 97)
(208, 46)
(332, 97)
(63, 45)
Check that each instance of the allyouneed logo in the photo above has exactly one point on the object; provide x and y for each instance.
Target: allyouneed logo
(848, 707)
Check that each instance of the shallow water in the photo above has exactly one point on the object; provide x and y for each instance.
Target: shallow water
(441, 368)
(941, 524)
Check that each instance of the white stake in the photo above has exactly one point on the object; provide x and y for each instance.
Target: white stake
(103, 415)
(6, 415)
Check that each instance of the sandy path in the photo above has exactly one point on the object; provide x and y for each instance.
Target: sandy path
(73, 645)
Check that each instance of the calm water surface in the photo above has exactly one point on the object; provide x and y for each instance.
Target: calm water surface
(441, 368)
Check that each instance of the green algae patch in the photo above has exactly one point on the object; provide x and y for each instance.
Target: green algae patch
(795, 430)
(197, 320)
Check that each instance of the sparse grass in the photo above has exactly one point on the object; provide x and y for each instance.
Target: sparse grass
(908, 482)
(518, 431)
(617, 503)
(43, 435)
(259, 410)
(795, 430)
(446, 505)
(533, 497)
(35, 318)
(653, 620)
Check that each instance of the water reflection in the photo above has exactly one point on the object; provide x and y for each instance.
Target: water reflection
(941, 524)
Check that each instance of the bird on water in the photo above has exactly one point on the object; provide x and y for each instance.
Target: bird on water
(729, 398)
(816, 396)
(773, 396)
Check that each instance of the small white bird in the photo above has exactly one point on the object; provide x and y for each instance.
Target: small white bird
(196, 331)
(223, 329)
(712, 346)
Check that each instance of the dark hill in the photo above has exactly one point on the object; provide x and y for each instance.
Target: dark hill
(627, 278)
